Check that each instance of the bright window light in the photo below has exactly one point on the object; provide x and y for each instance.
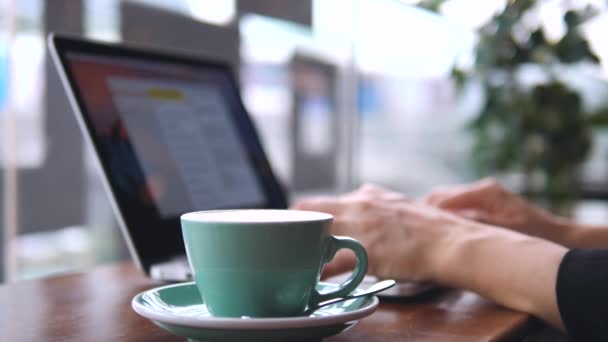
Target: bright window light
(213, 11)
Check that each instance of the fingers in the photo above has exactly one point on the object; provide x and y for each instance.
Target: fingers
(440, 193)
(325, 204)
(374, 192)
(473, 195)
(336, 205)
(473, 215)
(370, 189)
(342, 262)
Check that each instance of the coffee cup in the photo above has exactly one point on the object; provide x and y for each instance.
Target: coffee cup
(264, 263)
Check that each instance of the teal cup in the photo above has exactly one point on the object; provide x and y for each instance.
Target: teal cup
(264, 263)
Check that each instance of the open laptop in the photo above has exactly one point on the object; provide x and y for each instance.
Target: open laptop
(171, 136)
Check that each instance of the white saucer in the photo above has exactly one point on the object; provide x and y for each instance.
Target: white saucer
(179, 309)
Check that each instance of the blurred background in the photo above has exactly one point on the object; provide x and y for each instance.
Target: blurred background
(406, 94)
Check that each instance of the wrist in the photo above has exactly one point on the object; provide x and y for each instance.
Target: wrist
(510, 268)
(468, 245)
(586, 236)
(563, 231)
(446, 259)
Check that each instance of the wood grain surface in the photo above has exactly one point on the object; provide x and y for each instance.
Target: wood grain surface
(96, 306)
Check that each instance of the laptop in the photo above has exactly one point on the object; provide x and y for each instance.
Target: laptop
(171, 135)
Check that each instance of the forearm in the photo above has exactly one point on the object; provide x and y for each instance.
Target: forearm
(566, 232)
(585, 235)
(509, 268)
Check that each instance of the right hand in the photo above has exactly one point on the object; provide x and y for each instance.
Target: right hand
(405, 240)
(488, 202)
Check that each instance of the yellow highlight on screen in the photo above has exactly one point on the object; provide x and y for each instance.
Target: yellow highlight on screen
(165, 94)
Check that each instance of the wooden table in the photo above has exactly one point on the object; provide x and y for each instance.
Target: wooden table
(96, 306)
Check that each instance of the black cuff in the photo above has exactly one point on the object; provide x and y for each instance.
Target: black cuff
(582, 294)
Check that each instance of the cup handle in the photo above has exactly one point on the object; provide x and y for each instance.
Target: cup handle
(335, 244)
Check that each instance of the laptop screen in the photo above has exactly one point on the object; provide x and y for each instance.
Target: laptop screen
(172, 136)
(178, 123)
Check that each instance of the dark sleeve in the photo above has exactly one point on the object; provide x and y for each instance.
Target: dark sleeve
(582, 294)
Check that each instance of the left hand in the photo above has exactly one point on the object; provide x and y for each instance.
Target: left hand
(488, 202)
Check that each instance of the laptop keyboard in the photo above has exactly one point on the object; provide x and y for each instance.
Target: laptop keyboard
(176, 269)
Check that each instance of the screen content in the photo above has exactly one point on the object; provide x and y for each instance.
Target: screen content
(168, 134)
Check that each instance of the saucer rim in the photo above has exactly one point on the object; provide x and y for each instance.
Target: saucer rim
(264, 323)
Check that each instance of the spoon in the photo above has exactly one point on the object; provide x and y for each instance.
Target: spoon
(377, 287)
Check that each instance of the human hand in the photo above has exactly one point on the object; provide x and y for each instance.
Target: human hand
(407, 240)
(404, 239)
(488, 202)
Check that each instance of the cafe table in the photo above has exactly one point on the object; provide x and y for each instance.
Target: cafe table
(95, 305)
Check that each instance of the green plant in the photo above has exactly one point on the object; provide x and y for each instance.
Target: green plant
(540, 129)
